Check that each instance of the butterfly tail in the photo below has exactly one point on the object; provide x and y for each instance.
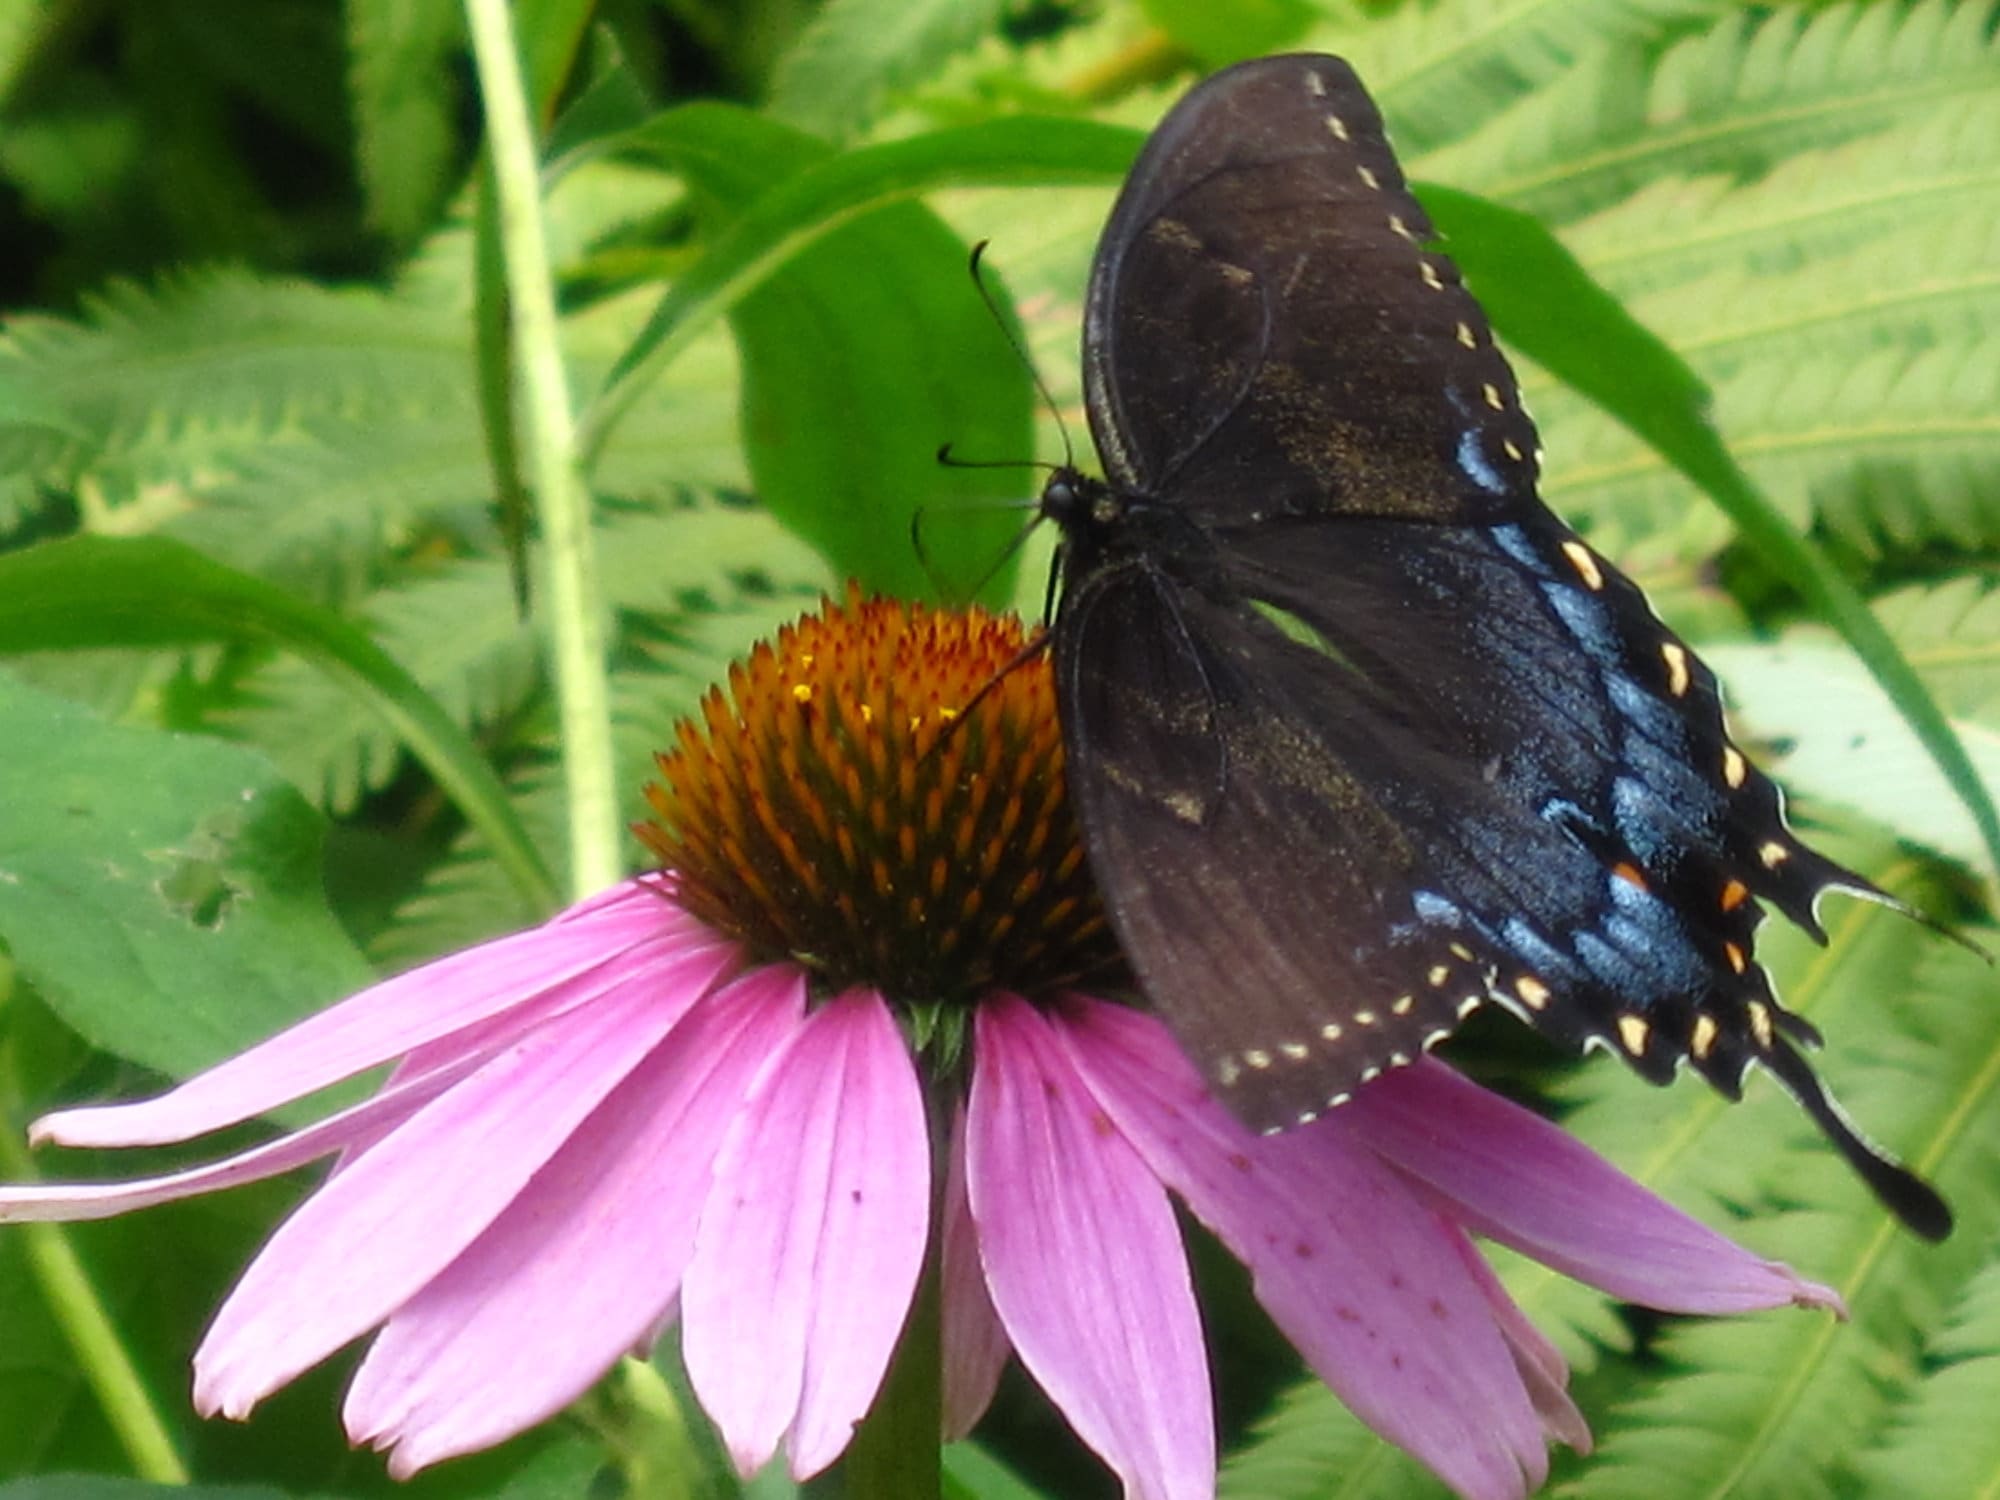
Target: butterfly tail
(1905, 1194)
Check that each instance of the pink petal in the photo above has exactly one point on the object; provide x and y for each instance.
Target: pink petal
(812, 1240)
(350, 1129)
(400, 1212)
(1084, 1260)
(1510, 1175)
(605, 944)
(585, 1264)
(975, 1345)
(1355, 1268)
(1543, 1369)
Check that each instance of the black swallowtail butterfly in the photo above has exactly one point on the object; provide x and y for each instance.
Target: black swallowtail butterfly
(1362, 736)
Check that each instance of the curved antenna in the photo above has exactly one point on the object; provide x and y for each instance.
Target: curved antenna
(974, 266)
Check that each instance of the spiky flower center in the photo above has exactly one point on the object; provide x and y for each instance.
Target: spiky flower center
(878, 795)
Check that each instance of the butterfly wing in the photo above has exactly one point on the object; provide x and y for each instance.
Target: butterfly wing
(1265, 334)
(1359, 734)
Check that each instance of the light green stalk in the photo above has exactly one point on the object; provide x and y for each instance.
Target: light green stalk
(571, 603)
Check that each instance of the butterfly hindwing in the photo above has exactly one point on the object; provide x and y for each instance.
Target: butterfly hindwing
(1360, 735)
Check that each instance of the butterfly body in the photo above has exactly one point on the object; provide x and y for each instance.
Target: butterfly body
(1360, 734)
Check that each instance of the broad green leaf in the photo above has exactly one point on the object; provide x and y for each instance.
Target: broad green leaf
(1220, 32)
(817, 201)
(95, 591)
(161, 892)
(862, 357)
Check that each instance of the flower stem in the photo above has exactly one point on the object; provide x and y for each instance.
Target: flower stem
(895, 1452)
(573, 607)
(100, 1354)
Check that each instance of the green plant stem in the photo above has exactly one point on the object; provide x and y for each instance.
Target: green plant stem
(895, 1454)
(572, 600)
(80, 1313)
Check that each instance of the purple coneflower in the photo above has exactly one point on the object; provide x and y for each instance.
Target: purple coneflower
(712, 1094)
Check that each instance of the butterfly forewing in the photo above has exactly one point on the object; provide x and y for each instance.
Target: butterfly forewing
(1360, 734)
(1323, 359)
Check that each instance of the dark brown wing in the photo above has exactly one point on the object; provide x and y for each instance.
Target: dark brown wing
(1265, 332)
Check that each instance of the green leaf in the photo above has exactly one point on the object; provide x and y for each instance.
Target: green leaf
(815, 202)
(1847, 746)
(1440, 70)
(1230, 31)
(161, 892)
(405, 107)
(109, 1487)
(1944, 1443)
(94, 591)
(1758, 87)
(853, 53)
(863, 355)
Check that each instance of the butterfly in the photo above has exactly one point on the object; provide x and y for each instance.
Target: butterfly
(1360, 735)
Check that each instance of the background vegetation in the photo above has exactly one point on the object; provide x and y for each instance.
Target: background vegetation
(252, 539)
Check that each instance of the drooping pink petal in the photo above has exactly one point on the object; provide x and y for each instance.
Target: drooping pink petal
(1511, 1175)
(1084, 1260)
(630, 934)
(1543, 1369)
(974, 1344)
(353, 1127)
(403, 1210)
(1356, 1269)
(812, 1239)
(585, 1264)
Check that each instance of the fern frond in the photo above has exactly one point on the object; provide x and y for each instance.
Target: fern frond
(1845, 744)
(1310, 1447)
(186, 378)
(1951, 634)
(1439, 71)
(456, 632)
(1944, 164)
(664, 669)
(1943, 1443)
(1892, 454)
(1932, 282)
(1781, 1404)
(1757, 87)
